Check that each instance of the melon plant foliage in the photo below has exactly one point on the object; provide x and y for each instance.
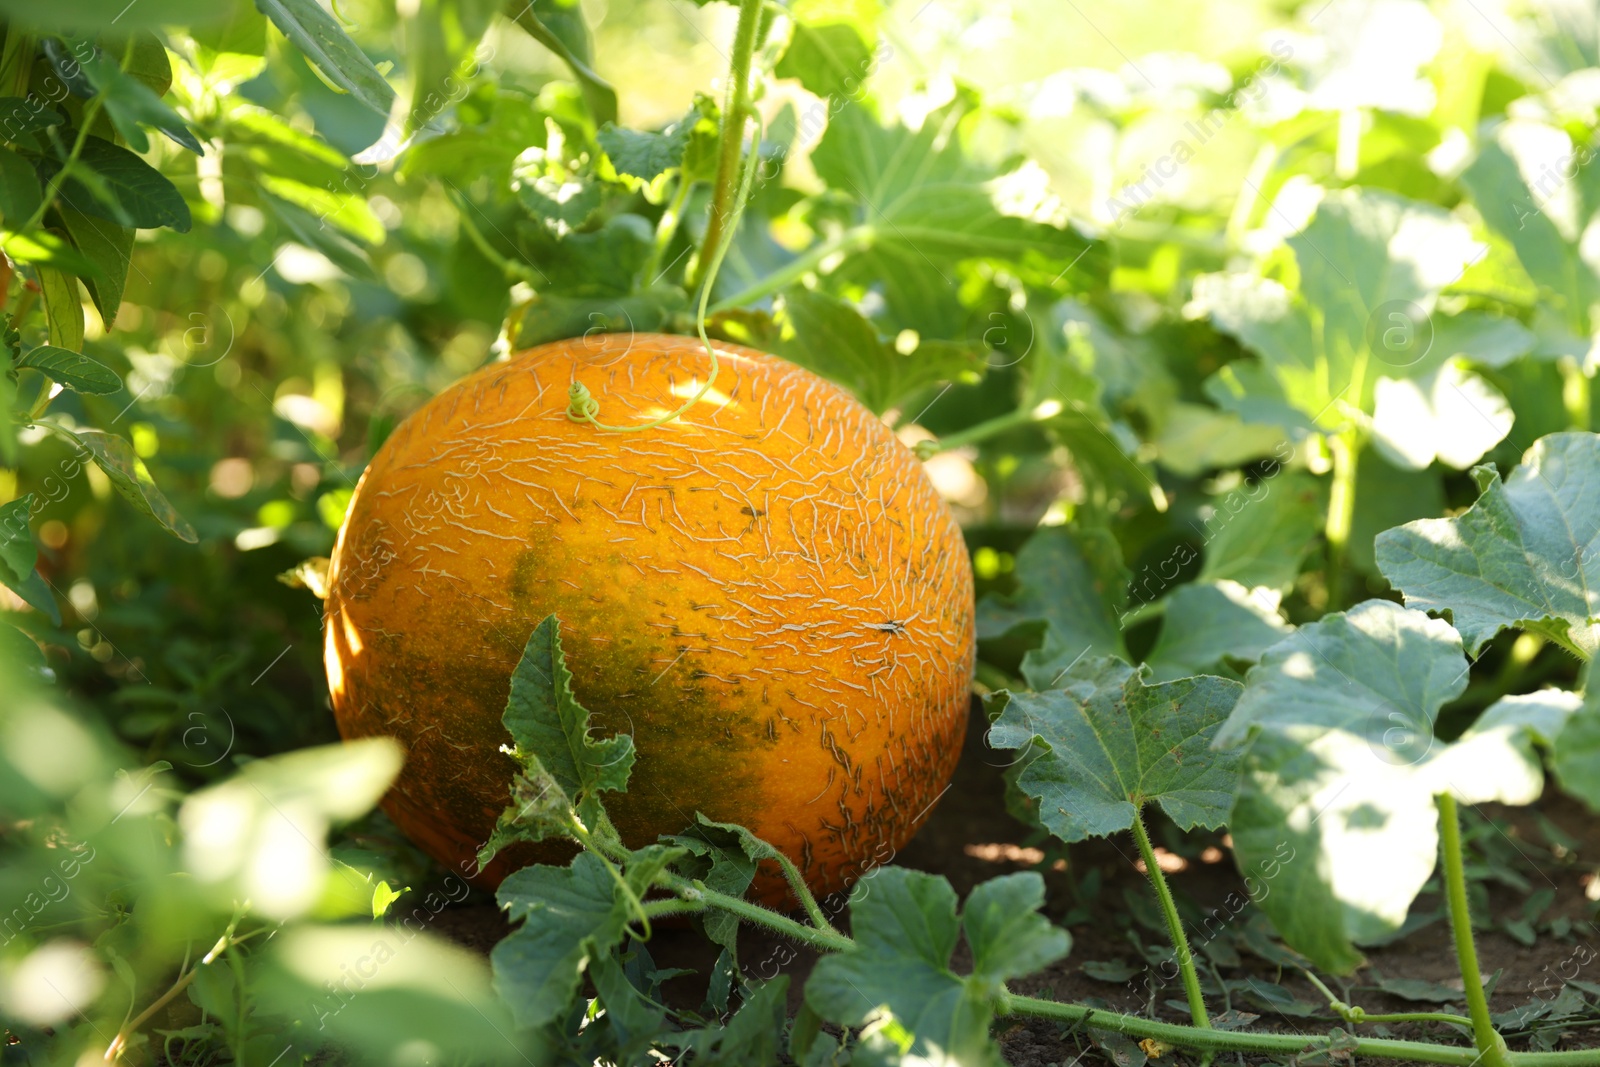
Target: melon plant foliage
(1258, 373)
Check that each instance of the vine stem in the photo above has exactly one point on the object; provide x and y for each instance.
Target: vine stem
(825, 939)
(666, 229)
(988, 428)
(1489, 1042)
(695, 897)
(91, 111)
(731, 140)
(1341, 510)
(1169, 909)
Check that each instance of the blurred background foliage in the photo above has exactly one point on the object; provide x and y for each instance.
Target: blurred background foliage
(1086, 176)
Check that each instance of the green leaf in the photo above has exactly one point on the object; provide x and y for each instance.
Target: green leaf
(562, 768)
(1257, 535)
(559, 25)
(754, 1036)
(79, 15)
(1207, 624)
(647, 156)
(19, 557)
(829, 60)
(1485, 339)
(109, 247)
(129, 191)
(319, 36)
(724, 857)
(569, 915)
(20, 192)
(20, 116)
(1106, 744)
(906, 928)
(1523, 556)
(1073, 582)
(1371, 265)
(132, 104)
(62, 308)
(441, 38)
(21, 654)
(129, 477)
(72, 369)
(422, 992)
(1342, 769)
(921, 206)
(1546, 230)
(41, 247)
(831, 337)
(1575, 755)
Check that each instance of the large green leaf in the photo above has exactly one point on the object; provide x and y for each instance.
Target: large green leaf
(1524, 555)
(646, 155)
(1371, 266)
(1342, 769)
(19, 557)
(310, 27)
(1450, 415)
(1074, 583)
(830, 59)
(906, 928)
(1105, 744)
(563, 770)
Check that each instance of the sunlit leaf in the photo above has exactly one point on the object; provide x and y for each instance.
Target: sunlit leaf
(1105, 743)
(1524, 555)
(906, 928)
(72, 369)
(316, 33)
(1207, 624)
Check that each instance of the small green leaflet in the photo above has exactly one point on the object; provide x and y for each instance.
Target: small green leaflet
(1105, 744)
(1073, 582)
(563, 769)
(323, 41)
(1342, 768)
(18, 557)
(44, 247)
(129, 477)
(828, 335)
(723, 857)
(72, 369)
(899, 972)
(63, 310)
(1524, 555)
(1207, 624)
(569, 915)
(24, 115)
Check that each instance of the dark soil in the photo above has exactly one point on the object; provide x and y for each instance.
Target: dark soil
(971, 837)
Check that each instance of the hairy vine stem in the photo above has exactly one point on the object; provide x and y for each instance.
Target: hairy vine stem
(693, 897)
(1169, 910)
(1490, 1044)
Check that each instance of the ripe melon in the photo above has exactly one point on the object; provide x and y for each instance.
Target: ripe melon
(766, 593)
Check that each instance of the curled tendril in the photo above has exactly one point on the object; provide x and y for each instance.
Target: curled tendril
(581, 404)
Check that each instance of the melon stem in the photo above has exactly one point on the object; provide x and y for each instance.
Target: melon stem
(1169, 910)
